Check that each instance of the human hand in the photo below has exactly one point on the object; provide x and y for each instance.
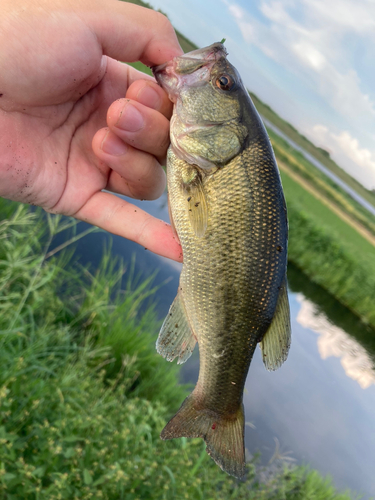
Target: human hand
(67, 131)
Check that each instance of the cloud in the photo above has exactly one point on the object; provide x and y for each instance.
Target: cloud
(350, 146)
(246, 28)
(309, 55)
(346, 151)
(308, 39)
(348, 15)
(333, 341)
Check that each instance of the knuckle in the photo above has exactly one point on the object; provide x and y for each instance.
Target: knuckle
(163, 20)
(164, 26)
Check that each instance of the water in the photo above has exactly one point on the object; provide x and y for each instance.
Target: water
(320, 405)
(322, 168)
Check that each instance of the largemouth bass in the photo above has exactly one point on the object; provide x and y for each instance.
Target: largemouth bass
(228, 209)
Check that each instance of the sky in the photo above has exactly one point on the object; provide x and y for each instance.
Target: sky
(312, 61)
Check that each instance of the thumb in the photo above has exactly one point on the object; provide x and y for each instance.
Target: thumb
(128, 32)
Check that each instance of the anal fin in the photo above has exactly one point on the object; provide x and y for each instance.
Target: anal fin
(276, 341)
(176, 338)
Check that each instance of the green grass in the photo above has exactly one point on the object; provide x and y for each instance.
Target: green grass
(324, 217)
(317, 179)
(84, 395)
(141, 67)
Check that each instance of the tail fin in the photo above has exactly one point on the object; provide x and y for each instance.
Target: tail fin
(224, 437)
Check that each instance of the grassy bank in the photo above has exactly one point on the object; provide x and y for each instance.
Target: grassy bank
(83, 394)
(323, 184)
(325, 218)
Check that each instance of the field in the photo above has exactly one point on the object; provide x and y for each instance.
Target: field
(319, 153)
(324, 217)
(325, 187)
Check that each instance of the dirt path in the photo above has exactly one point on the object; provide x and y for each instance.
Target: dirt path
(340, 213)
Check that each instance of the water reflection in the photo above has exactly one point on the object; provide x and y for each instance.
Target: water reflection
(333, 341)
(314, 410)
(336, 313)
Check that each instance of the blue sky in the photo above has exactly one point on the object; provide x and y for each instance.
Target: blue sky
(312, 61)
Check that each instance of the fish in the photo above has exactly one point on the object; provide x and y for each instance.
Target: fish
(228, 210)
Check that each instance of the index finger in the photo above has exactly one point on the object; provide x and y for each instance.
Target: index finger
(120, 217)
(129, 33)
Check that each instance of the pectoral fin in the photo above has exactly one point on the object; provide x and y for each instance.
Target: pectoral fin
(196, 205)
(176, 338)
(276, 342)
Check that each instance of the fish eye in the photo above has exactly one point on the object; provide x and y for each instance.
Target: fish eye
(225, 82)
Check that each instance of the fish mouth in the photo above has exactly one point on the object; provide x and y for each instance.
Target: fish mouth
(200, 56)
(170, 74)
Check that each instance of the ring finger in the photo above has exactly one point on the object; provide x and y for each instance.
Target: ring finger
(134, 173)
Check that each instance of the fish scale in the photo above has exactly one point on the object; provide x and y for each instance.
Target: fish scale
(241, 261)
(228, 209)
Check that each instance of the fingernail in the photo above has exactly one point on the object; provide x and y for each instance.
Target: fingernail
(113, 145)
(149, 97)
(130, 119)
